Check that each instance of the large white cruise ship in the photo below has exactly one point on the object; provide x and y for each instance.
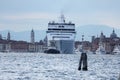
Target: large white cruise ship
(61, 35)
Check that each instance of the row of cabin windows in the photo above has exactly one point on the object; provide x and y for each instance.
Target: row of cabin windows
(63, 29)
(61, 26)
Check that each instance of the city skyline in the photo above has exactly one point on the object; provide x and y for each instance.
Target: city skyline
(24, 15)
(41, 34)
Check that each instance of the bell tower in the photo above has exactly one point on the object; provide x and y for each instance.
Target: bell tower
(32, 36)
(8, 36)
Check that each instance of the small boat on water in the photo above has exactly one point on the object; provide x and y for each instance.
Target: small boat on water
(101, 49)
(116, 50)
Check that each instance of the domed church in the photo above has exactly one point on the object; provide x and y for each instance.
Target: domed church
(113, 35)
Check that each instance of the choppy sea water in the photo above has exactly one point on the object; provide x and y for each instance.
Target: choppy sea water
(40, 66)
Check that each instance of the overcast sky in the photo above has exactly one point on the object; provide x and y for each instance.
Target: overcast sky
(22, 15)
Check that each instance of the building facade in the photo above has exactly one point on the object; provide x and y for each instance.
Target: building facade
(8, 45)
(108, 42)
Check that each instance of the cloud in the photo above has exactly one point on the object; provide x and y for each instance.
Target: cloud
(29, 16)
(100, 18)
(26, 21)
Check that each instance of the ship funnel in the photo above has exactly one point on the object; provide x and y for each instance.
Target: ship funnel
(62, 18)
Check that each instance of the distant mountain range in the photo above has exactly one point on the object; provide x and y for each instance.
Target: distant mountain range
(86, 30)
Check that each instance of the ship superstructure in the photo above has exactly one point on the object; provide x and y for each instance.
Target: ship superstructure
(61, 35)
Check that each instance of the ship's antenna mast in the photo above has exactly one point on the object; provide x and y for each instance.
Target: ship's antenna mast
(62, 18)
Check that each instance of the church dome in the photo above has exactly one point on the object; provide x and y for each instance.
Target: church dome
(113, 35)
(102, 37)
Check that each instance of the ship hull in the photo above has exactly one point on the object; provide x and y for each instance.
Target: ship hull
(65, 46)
